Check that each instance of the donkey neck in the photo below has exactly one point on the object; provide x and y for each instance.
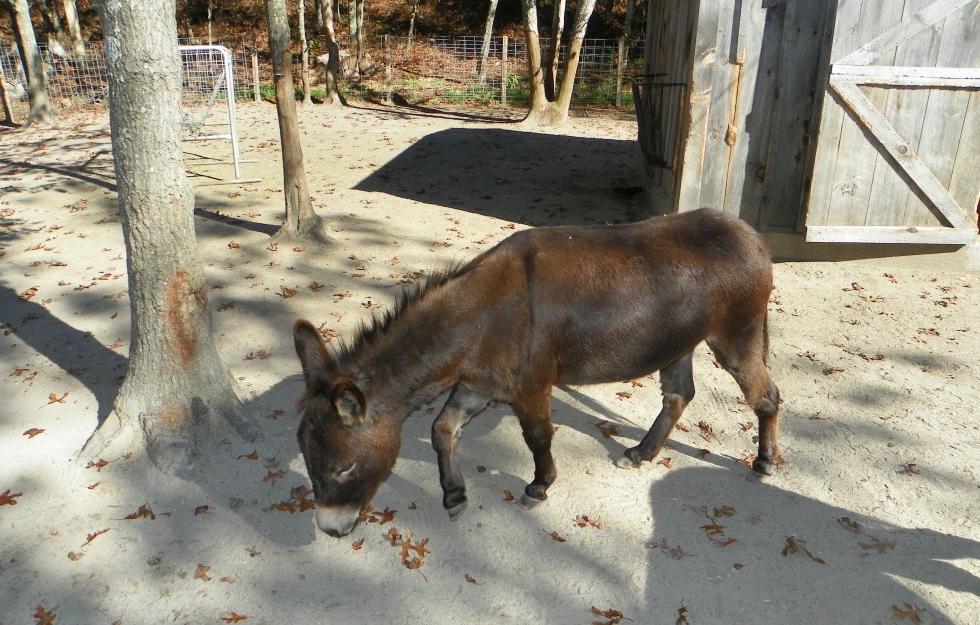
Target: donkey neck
(415, 358)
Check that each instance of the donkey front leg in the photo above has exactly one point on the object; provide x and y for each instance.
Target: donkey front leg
(677, 384)
(463, 405)
(535, 416)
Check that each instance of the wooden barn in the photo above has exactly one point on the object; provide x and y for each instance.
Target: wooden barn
(818, 121)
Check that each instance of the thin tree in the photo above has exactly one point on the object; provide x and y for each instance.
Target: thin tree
(411, 20)
(74, 28)
(356, 25)
(554, 49)
(177, 392)
(332, 62)
(481, 68)
(554, 110)
(304, 53)
(55, 31)
(8, 114)
(301, 222)
(210, 20)
(628, 20)
(30, 56)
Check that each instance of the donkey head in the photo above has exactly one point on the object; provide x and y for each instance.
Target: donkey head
(348, 453)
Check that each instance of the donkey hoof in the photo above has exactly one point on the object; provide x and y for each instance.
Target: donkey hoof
(762, 467)
(526, 502)
(625, 462)
(457, 510)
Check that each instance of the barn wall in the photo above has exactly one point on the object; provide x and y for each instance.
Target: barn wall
(745, 140)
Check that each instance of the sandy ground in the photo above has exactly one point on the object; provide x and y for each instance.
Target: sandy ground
(873, 520)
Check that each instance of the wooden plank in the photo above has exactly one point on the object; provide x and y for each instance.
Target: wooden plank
(792, 113)
(945, 112)
(964, 184)
(846, 35)
(910, 76)
(889, 234)
(854, 172)
(699, 99)
(887, 138)
(905, 109)
(724, 82)
(902, 31)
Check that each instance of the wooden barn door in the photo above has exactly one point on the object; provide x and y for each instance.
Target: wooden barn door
(898, 151)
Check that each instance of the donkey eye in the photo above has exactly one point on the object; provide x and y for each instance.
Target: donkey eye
(345, 472)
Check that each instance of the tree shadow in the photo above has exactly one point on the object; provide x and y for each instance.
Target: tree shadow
(526, 177)
(868, 565)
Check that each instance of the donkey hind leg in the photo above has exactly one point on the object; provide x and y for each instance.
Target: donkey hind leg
(463, 405)
(677, 384)
(743, 356)
(535, 417)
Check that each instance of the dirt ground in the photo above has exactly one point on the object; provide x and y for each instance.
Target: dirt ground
(873, 519)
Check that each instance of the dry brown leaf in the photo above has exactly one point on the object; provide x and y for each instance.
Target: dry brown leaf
(681, 616)
(54, 399)
(907, 611)
(724, 511)
(556, 536)
(233, 245)
(8, 499)
(357, 544)
(31, 433)
(665, 461)
(251, 456)
(850, 525)
(832, 370)
(202, 573)
(144, 512)
(234, 617)
(707, 432)
(201, 510)
(470, 578)
(508, 496)
(271, 476)
(285, 292)
(877, 544)
(624, 395)
(44, 616)
(613, 616)
(226, 306)
(28, 294)
(75, 556)
(587, 521)
(90, 537)
(795, 545)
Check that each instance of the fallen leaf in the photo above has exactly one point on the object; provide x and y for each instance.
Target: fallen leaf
(357, 544)
(234, 617)
(907, 611)
(28, 294)
(909, 468)
(665, 461)
(795, 545)
(74, 556)
(677, 552)
(46, 617)
(707, 432)
(286, 292)
(93, 485)
(202, 573)
(54, 399)
(877, 544)
(144, 512)
(226, 306)
(556, 536)
(850, 525)
(508, 496)
(90, 537)
(227, 580)
(271, 476)
(624, 395)
(726, 542)
(724, 511)
(713, 529)
(832, 370)
(233, 245)
(587, 521)
(8, 499)
(613, 616)
(251, 456)
(470, 578)
(681, 616)
(748, 425)
(201, 510)
(31, 433)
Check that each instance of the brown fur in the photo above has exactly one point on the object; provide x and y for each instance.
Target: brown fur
(568, 305)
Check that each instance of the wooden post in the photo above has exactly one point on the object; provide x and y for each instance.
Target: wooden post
(620, 61)
(256, 91)
(388, 71)
(503, 70)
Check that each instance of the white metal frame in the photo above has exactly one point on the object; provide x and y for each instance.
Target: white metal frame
(228, 77)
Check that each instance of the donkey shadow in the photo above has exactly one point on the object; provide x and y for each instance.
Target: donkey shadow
(846, 567)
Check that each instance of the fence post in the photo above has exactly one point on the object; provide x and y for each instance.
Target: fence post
(503, 70)
(388, 71)
(256, 91)
(620, 61)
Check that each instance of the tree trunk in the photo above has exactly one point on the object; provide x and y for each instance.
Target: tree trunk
(304, 53)
(628, 20)
(210, 15)
(481, 68)
(177, 391)
(360, 34)
(332, 64)
(55, 32)
(539, 106)
(411, 21)
(37, 84)
(554, 49)
(8, 114)
(74, 28)
(352, 30)
(564, 98)
(319, 14)
(300, 221)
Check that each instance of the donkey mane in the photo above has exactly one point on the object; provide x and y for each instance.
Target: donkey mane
(369, 332)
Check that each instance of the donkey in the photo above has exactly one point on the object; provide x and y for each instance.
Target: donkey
(546, 306)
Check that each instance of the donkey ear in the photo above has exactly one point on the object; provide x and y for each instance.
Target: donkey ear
(349, 402)
(313, 355)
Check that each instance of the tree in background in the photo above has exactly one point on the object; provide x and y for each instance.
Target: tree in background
(74, 29)
(30, 56)
(411, 20)
(304, 53)
(301, 222)
(554, 49)
(331, 64)
(481, 68)
(52, 24)
(553, 110)
(356, 24)
(176, 391)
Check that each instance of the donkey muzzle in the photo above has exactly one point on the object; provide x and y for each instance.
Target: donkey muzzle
(337, 521)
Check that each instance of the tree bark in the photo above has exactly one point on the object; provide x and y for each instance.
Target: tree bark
(554, 49)
(304, 53)
(300, 221)
(352, 30)
(8, 114)
(481, 68)
(628, 20)
(210, 16)
(177, 392)
(52, 23)
(360, 34)
(332, 65)
(411, 20)
(74, 28)
(37, 84)
(318, 4)
(542, 110)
